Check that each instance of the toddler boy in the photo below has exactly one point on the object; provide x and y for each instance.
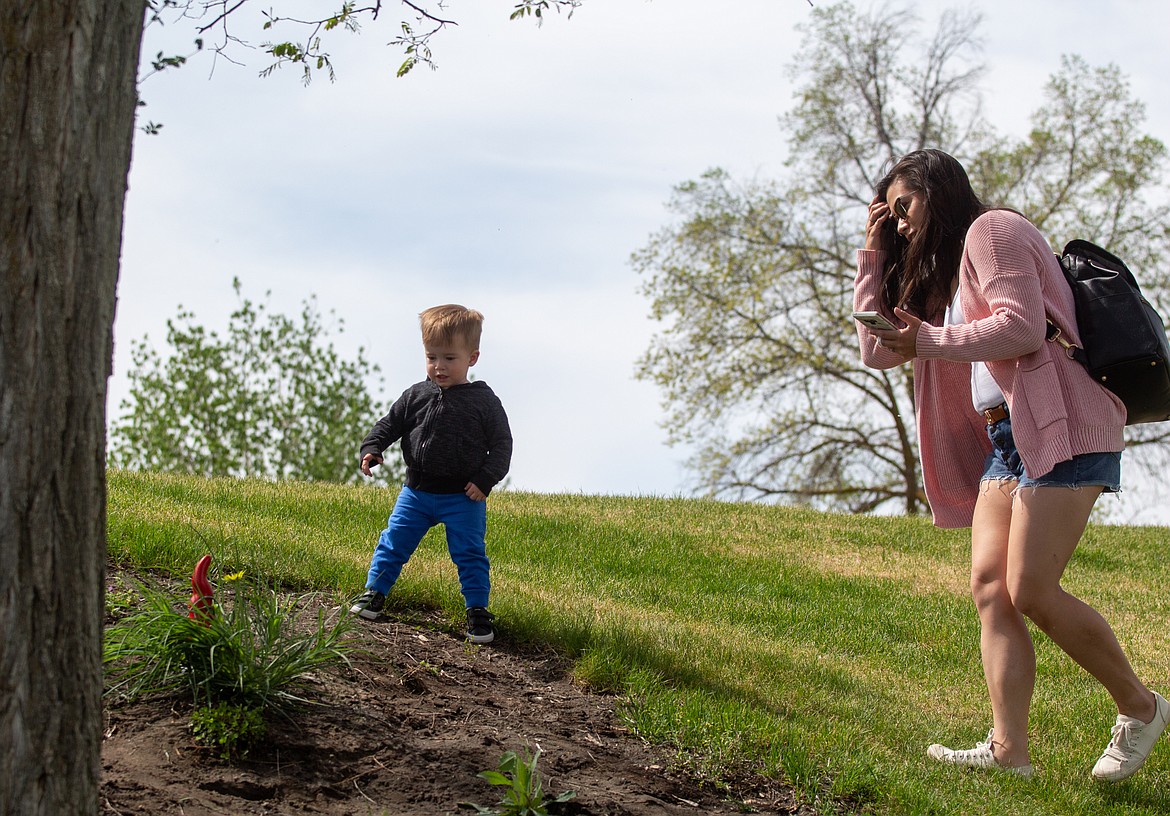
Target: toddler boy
(457, 446)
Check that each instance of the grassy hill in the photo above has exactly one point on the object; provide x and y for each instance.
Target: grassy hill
(825, 649)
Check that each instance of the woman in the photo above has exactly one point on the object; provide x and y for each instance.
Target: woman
(1023, 459)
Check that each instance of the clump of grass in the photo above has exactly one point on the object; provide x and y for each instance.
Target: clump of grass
(256, 652)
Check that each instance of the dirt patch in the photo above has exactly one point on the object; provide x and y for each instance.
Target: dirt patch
(404, 730)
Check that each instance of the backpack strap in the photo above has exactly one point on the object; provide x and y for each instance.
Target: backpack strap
(1053, 334)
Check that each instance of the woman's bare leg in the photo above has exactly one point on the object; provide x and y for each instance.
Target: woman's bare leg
(1047, 524)
(1009, 659)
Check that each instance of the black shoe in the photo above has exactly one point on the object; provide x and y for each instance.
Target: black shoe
(369, 605)
(479, 625)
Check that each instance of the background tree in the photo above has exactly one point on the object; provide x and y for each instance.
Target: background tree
(758, 358)
(68, 94)
(272, 399)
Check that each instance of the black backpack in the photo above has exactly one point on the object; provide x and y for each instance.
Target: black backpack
(1123, 340)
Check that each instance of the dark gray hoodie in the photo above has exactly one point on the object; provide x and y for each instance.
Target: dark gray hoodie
(450, 436)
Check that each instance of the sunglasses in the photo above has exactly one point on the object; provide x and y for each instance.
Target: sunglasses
(901, 209)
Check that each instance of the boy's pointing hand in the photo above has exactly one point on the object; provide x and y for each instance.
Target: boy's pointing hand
(370, 461)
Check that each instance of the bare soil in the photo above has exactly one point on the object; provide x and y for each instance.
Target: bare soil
(405, 729)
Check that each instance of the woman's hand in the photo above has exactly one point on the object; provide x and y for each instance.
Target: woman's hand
(875, 232)
(903, 342)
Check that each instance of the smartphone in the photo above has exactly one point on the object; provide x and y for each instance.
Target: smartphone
(873, 320)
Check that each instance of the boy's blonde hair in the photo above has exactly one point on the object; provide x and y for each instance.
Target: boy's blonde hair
(444, 325)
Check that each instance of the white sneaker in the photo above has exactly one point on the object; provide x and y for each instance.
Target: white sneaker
(1131, 743)
(981, 756)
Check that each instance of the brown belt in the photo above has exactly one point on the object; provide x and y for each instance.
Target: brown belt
(994, 415)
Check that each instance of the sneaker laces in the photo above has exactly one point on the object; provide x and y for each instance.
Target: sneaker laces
(980, 754)
(1123, 733)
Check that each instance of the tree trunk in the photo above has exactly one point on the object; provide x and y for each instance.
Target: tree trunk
(67, 102)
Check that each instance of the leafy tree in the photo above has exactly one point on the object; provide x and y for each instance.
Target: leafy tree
(757, 357)
(213, 24)
(272, 399)
(69, 96)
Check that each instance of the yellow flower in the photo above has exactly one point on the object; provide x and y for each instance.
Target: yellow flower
(235, 576)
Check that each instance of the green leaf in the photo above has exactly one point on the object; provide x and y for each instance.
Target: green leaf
(495, 778)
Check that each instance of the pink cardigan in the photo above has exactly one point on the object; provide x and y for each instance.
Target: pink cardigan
(1009, 279)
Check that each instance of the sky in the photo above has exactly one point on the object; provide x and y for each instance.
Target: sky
(516, 179)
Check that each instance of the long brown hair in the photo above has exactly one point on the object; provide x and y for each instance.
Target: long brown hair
(919, 272)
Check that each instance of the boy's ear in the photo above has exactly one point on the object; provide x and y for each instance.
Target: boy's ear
(474, 358)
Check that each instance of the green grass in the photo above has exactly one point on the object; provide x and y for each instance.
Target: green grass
(827, 650)
(255, 648)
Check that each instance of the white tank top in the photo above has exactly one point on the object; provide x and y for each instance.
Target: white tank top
(984, 391)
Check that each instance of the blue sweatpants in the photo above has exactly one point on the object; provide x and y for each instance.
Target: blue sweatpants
(414, 514)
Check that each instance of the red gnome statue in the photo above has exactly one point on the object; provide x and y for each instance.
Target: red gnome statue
(201, 597)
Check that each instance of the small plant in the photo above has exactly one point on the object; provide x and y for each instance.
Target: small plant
(119, 602)
(524, 795)
(229, 730)
(254, 652)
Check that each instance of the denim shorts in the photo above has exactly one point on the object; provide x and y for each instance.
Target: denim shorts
(1082, 470)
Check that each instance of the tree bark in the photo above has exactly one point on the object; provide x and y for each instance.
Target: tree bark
(67, 103)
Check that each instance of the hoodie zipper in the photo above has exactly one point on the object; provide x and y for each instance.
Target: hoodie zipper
(433, 410)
